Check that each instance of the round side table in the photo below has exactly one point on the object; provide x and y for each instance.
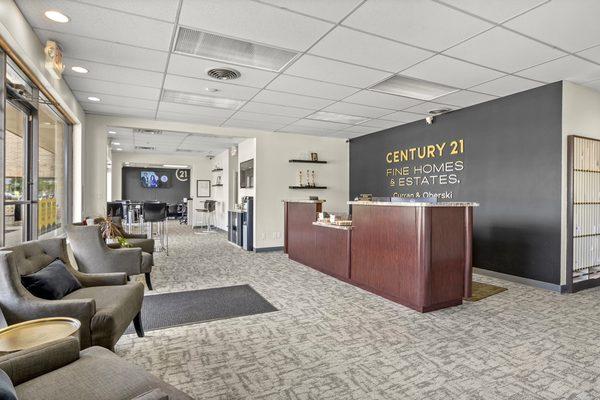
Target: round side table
(36, 332)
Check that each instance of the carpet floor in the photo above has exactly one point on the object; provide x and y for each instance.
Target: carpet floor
(331, 340)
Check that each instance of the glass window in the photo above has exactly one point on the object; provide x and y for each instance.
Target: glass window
(14, 177)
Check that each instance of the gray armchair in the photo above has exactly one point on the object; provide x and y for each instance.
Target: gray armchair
(94, 256)
(58, 370)
(106, 304)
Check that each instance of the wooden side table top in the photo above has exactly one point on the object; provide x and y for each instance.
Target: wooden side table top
(36, 332)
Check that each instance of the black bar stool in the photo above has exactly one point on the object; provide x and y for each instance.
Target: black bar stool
(207, 212)
(154, 212)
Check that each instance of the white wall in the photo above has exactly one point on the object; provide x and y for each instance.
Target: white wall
(274, 174)
(22, 40)
(580, 116)
(221, 193)
(247, 151)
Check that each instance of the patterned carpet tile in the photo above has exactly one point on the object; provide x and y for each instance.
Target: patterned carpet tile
(330, 340)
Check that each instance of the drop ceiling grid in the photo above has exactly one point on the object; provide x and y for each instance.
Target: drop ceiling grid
(445, 3)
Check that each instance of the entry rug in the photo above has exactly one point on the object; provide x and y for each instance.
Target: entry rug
(165, 310)
(483, 290)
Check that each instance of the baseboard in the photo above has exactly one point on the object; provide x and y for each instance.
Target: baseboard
(517, 279)
(267, 249)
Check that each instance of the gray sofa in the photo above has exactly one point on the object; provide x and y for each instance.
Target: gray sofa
(58, 370)
(94, 256)
(106, 304)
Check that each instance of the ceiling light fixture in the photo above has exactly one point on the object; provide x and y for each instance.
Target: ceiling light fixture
(411, 87)
(57, 16)
(116, 144)
(92, 98)
(174, 166)
(212, 90)
(173, 96)
(339, 118)
(440, 111)
(221, 48)
(112, 132)
(79, 70)
(119, 149)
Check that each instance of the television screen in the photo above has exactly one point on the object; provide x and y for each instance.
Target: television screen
(155, 179)
(247, 174)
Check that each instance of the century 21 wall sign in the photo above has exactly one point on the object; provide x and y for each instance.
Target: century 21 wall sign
(420, 167)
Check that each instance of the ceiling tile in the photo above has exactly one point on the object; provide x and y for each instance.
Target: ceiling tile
(275, 119)
(196, 68)
(116, 100)
(506, 85)
(334, 71)
(106, 52)
(464, 98)
(591, 54)
(191, 85)
(82, 84)
(361, 129)
(311, 123)
(292, 100)
(376, 99)
(448, 71)
(425, 108)
(273, 109)
(309, 87)
(99, 23)
(504, 50)
(107, 109)
(494, 10)
(593, 84)
(570, 25)
(331, 10)
(199, 111)
(114, 73)
(305, 130)
(165, 10)
(402, 116)
(368, 50)
(268, 25)
(262, 125)
(381, 123)
(417, 22)
(566, 68)
(357, 109)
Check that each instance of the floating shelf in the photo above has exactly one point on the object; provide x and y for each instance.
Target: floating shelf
(217, 184)
(217, 170)
(308, 161)
(308, 187)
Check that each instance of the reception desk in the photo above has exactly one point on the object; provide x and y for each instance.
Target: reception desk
(417, 254)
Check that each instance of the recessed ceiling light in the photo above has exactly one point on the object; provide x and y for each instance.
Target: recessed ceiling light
(112, 132)
(79, 70)
(92, 98)
(439, 111)
(174, 166)
(173, 96)
(340, 118)
(212, 90)
(116, 143)
(119, 149)
(411, 87)
(56, 16)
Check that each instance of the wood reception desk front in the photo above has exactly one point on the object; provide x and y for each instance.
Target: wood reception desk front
(417, 254)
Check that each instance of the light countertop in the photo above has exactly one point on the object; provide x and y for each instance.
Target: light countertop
(408, 204)
(327, 225)
(304, 201)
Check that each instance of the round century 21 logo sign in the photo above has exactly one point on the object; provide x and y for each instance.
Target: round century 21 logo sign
(182, 175)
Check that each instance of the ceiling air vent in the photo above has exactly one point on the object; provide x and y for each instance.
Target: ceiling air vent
(221, 48)
(223, 74)
(148, 131)
(413, 88)
(173, 96)
(145, 148)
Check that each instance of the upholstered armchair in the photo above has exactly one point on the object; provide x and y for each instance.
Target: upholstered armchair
(134, 239)
(94, 256)
(59, 371)
(105, 305)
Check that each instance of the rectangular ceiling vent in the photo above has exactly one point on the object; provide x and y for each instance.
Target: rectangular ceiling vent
(413, 88)
(148, 131)
(189, 151)
(145, 148)
(173, 96)
(221, 48)
(339, 118)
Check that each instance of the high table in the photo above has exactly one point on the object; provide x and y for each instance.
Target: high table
(417, 254)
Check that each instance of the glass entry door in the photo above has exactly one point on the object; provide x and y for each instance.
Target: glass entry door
(17, 178)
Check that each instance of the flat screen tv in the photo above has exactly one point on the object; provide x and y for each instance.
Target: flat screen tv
(156, 179)
(247, 174)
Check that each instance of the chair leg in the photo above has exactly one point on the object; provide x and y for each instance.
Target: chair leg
(128, 278)
(137, 323)
(148, 281)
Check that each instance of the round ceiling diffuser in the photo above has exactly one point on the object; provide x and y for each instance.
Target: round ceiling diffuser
(223, 74)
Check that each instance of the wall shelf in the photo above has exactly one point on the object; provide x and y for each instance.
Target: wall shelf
(217, 170)
(217, 184)
(308, 161)
(308, 187)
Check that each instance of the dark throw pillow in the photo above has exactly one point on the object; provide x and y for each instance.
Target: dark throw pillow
(52, 282)
(7, 390)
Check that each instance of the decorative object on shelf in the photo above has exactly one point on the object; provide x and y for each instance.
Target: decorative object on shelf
(308, 178)
(217, 169)
(364, 197)
(314, 157)
(307, 161)
(300, 178)
(202, 188)
(219, 180)
(313, 177)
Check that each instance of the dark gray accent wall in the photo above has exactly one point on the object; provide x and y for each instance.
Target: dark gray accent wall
(132, 188)
(511, 164)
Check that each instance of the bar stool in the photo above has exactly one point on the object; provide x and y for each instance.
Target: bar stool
(115, 209)
(153, 212)
(208, 213)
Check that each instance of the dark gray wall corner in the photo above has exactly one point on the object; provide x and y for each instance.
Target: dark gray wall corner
(511, 164)
(132, 188)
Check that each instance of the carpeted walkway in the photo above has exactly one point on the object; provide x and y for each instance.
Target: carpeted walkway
(331, 340)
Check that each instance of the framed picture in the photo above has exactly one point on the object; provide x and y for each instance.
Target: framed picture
(314, 157)
(202, 188)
